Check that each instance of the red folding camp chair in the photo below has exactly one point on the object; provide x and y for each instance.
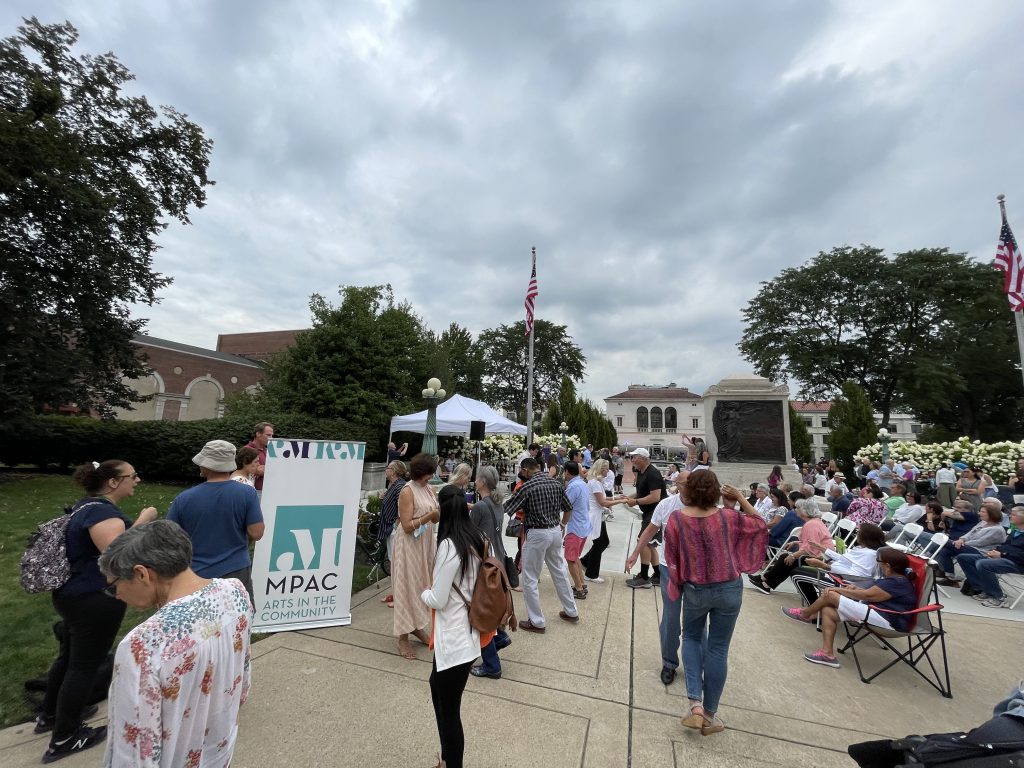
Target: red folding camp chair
(924, 634)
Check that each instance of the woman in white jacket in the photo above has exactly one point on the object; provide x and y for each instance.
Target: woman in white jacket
(460, 548)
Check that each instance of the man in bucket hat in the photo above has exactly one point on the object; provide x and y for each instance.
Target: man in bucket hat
(220, 516)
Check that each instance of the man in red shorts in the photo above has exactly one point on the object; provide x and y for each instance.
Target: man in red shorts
(576, 526)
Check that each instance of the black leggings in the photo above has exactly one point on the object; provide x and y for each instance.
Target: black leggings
(592, 560)
(91, 622)
(446, 692)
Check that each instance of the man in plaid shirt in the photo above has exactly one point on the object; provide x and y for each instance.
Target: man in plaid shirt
(542, 500)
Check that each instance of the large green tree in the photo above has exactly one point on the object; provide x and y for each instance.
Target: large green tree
(912, 330)
(506, 372)
(363, 361)
(851, 423)
(89, 177)
(460, 362)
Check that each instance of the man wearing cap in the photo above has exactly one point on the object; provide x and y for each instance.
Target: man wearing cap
(220, 517)
(263, 433)
(650, 489)
(838, 479)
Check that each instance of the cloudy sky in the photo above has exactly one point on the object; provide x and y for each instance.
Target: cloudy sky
(663, 157)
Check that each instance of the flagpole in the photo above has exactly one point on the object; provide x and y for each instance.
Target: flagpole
(529, 368)
(1018, 317)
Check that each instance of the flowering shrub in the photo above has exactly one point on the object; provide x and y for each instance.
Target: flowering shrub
(572, 441)
(998, 459)
(501, 447)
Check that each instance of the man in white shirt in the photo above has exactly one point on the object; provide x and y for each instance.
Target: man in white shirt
(838, 479)
(670, 628)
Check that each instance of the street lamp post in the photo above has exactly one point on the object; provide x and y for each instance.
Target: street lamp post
(433, 394)
(884, 440)
(563, 430)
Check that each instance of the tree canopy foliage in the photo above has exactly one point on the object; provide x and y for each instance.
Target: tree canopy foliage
(851, 422)
(583, 418)
(506, 372)
(88, 177)
(926, 329)
(364, 360)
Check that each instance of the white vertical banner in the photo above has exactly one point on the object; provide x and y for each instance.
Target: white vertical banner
(302, 567)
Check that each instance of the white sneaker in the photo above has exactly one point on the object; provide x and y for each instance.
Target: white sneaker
(981, 597)
(595, 580)
(996, 602)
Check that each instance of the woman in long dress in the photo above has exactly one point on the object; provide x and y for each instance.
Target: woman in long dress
(412, 561)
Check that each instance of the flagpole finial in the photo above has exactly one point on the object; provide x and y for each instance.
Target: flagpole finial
(1000, 198)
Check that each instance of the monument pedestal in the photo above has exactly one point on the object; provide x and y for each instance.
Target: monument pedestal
(749, 420)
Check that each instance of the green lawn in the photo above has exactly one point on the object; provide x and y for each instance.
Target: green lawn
(27, 644)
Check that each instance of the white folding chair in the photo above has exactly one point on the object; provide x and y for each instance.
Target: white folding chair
(905, 541)
(1015, 583)
(830, 519)
(930, 550)
(847, 530)
(780, 551)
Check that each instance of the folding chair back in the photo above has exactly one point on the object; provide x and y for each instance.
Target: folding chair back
(774, 553)
(909, 534)
(847, 530)
(931, 549)
(830, 519)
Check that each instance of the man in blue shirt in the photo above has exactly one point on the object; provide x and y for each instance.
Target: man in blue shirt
(576, 526)
(220, 516)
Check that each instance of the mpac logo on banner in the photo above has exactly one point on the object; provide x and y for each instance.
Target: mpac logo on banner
(302, 568)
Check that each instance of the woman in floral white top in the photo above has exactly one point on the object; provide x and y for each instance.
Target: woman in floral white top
(181, 675)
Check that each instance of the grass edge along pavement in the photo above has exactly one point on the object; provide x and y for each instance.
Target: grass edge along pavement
(27, 644)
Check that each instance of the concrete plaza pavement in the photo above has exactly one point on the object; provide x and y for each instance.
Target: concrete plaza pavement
(588, 695)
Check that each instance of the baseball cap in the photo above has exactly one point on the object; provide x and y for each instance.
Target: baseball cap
(640, 452)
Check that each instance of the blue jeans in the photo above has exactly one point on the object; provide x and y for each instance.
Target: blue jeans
(670, 628)
(944, 557)
(489, 653)
(981, 572)
(714, 608)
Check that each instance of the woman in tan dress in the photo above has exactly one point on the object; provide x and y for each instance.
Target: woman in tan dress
(412, 563)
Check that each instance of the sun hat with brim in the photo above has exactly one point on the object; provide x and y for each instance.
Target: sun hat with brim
(217, 456)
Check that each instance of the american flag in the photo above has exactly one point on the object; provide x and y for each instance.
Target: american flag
(1009, 260)
(531, 294)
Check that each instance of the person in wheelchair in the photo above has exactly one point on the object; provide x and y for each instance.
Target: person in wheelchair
(893, 592)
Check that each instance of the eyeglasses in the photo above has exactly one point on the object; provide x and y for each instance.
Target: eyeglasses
(111, 588)
(133, 475)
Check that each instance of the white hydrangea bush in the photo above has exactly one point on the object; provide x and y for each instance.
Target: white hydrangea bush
(998, 459)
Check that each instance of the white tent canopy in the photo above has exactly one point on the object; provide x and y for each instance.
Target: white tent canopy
(454, 416)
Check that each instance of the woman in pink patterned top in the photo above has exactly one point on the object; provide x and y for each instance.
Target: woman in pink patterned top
(869, 508)
(707, 547)
(181, 675)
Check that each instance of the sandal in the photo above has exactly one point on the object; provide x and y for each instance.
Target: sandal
(695, 719)
(405, 650)
(422, 636)
(714, 725)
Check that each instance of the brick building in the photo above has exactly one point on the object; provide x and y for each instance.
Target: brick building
(256, 346)
(188, 383)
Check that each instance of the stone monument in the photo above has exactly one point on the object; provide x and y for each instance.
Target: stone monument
(749, 421)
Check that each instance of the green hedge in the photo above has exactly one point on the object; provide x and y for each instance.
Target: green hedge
(159, 450)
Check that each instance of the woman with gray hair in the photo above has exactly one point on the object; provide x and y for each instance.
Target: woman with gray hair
(814, 540)
(181, 675)
(488, 516)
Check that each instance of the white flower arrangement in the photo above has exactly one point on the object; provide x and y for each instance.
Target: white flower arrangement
(572, 441)
(998, 459)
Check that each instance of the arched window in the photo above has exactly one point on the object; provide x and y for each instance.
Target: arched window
(641, 418)
(670, 418)
(656, 423)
